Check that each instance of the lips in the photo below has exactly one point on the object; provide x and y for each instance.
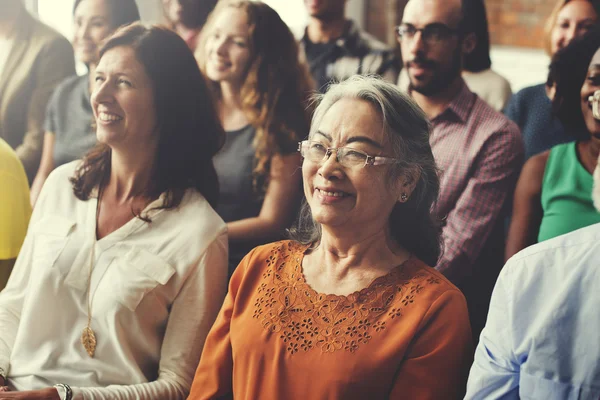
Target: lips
(106, 116)
(330, 192)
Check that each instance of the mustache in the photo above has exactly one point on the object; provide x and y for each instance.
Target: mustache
(423, 62)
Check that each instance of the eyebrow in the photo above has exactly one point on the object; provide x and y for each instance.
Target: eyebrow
(353, 139)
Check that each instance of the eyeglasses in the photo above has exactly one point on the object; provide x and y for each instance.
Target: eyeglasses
(432, 33)
(347, 157)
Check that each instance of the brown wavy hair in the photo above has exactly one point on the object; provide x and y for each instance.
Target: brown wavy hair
(190, 133)
(277, 87)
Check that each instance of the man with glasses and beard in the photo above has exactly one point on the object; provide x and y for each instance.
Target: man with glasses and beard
(478, 150)
(336, 48)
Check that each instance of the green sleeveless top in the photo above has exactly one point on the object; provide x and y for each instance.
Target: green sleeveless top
(566, 194)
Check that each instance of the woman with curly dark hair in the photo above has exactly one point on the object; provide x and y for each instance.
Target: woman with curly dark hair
(250, 58)
(553, 194)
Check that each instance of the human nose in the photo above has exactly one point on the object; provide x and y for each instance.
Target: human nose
(416, 44)
(570, 34)
(102, 93)
(221, 46)
(330, 167)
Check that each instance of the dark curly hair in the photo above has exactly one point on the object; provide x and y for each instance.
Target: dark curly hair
(190, 133)
(568, 70)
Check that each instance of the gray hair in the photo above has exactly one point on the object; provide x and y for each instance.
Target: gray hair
(406, 129)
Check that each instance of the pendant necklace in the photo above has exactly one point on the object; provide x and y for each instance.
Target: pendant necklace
(88, 337)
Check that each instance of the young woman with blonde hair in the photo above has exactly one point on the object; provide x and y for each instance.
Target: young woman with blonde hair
(250, 58)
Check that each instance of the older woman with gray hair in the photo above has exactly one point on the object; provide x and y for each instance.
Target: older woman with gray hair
(349, 309)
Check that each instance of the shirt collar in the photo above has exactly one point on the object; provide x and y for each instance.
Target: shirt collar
(461, 104)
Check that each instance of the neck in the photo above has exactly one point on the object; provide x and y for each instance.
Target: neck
(184, 31)
(320, 31)
(352, 249)
(434, 105)
(231, 111)
(588, 152)
(9, 18)
(129, 175)
(91, 76)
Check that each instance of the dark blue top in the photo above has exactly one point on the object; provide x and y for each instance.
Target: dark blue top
(531, 109)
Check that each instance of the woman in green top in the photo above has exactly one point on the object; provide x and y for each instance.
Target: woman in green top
(554, 192)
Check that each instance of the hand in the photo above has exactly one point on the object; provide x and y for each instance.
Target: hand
(42, 394)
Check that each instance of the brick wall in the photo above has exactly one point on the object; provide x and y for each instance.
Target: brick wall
(512, 22)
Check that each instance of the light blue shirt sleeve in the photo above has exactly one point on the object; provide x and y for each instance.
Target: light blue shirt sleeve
(495, 371)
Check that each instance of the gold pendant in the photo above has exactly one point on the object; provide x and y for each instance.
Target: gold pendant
(88, 339)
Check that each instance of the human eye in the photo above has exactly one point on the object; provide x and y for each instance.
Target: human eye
(99, 79)
(317, 147)
(435, 32)
(124, 82)
(240, 43)
(594, 78)
(407, 31)
(354, 157)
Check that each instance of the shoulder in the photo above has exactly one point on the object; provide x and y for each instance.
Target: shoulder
(530, 93)
(66, 87)
(488, 121)
(536, 164)
(60, 177)
(430, 283)
(47, 35)
(555, 260)
(10, 165)
(196, 220)
(271, 255)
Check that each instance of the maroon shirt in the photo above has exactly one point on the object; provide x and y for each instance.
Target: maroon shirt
(479, 152)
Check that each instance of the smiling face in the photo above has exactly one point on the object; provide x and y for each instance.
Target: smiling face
(358, 197)
(123, 101)
(573, 20)
(91, 25)
(432, 66)
(590, 86)
(228, 47)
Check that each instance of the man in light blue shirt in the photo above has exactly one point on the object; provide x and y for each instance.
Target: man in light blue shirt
(542, 336)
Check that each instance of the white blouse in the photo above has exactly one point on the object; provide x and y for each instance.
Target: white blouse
(156, 290)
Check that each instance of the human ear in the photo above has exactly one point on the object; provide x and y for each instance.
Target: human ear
(468, 43)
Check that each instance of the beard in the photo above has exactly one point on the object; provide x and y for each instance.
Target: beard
(441, 78)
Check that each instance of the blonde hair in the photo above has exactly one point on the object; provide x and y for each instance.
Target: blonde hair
(551, 22)
(276, 88)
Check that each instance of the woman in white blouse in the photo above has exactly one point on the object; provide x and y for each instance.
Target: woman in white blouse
(124, 266)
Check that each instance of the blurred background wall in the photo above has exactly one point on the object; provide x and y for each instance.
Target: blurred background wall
(516, 27)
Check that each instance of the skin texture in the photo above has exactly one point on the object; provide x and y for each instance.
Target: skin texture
(228, 48)
(124, 90)
(355, 247)
(527, 210)
(434, 69)
(573, 20)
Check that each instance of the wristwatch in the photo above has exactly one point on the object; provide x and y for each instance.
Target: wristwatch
(64, 391)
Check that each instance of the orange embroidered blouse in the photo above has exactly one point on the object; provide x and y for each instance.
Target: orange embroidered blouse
(405, 336)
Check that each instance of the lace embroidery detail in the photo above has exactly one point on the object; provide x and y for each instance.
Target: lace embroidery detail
(305, 320)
